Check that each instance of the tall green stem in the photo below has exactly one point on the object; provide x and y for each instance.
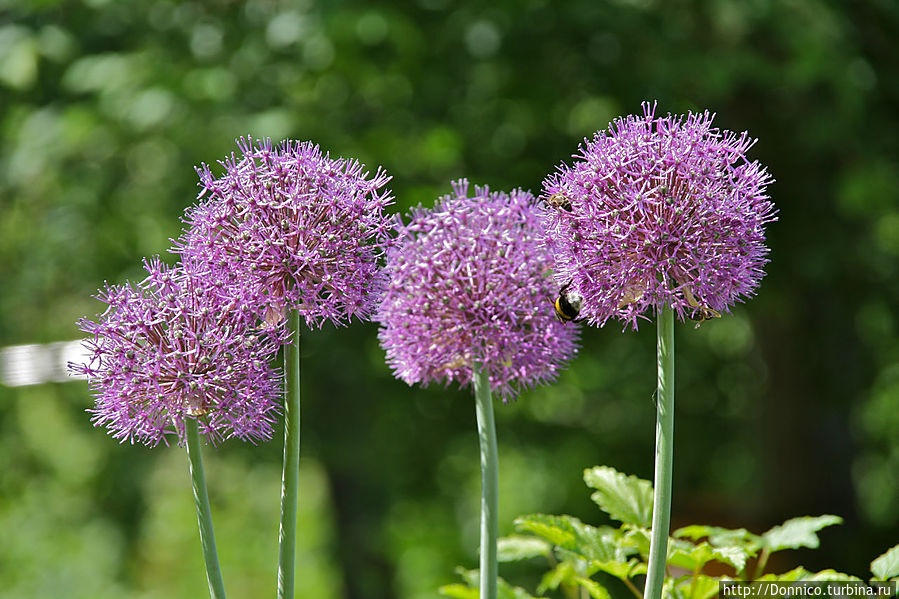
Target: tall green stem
(204, 515)
(287, 538)
(489, 481)
(661, 505)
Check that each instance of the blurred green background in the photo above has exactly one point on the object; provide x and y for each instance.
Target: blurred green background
(789, 406)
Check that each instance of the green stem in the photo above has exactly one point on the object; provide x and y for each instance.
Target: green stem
(763, 561)
(204, 515)
(287, 538)
(661, 505)
(634, 590)
(489, 481)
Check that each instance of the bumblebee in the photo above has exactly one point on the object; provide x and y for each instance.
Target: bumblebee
(559, 200)
(568, 305)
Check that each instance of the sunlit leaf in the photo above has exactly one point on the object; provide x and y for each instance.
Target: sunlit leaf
(798, 532)
(570, 533)
(886, 565)
(504, 590)
(721, 537)
(470, 590)
(694, 557)
(799, 573)
(637, 538)
(831, 575)
(520, 547)
(699, 587)
(459, 591)
(623, 497)
(596, 590)
(558, 530)
(621, 570)
(563, 573)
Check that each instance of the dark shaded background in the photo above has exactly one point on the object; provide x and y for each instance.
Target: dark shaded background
(789, 406)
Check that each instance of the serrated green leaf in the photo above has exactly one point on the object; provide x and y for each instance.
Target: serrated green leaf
(602, 543)
(557, 530)
(636, 538)
(698, 587)
(688, 556)
(735, 557)
(471, 577)
(504, 590)
(570, 533)
(831, 575)
(625, 498)
(886, 565)
(693, 557)
(470, 590)
(793, 575)
(519, 547)
(563, 573)
(575, 559)
(596, 590)
(621, 570)
(459, 591)
(798, 532)
(722, 537)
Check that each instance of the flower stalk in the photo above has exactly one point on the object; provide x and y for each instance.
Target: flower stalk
(204, 515)
(661, 505)
(289, 479)
(489, 481)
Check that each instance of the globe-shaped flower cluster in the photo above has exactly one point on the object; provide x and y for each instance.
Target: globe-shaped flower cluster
(469, 287)
(171, 348)
(297, 228)
(655, 212)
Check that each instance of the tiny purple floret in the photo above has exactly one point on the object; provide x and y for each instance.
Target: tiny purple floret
(469, 285)
(659, 211)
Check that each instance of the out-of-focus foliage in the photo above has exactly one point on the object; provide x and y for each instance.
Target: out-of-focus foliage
(787, 406)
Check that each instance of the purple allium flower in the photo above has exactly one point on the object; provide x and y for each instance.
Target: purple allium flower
(300, 229)
(469, 284)
(659, 211)
(173, 347)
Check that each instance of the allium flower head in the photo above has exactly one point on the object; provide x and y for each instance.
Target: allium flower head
(172, 348)
(659, 211)
(468, 284)
(302, 230)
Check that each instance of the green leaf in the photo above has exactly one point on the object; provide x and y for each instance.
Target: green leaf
(798, 532)
(688, 556)
(504, 590)
(703, 587)
(471, 577)
(596, 590)
(520, 547)
(622, 570)
(831, 575)
(470, 590)
(558, 530)
(636, 538)
(459, 591)
(732, 556)
(693, 557)
(625, 498)
(563, 573)
(795, 574)
(692, 587)
(570, 533)
(886, 565)
(722, 537)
